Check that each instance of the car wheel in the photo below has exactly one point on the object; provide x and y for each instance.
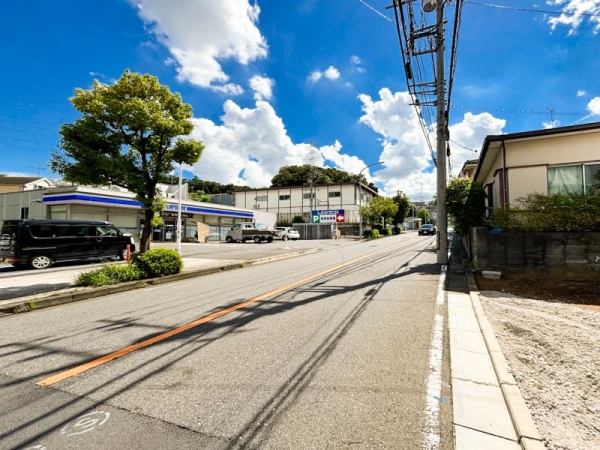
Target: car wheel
(257, 239)
(270, 239)
(40, 262)
(229, 239)
(284, 238)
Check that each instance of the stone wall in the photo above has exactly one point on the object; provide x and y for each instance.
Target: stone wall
(557, 256)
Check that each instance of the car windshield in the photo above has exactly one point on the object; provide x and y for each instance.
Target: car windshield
(427, 226)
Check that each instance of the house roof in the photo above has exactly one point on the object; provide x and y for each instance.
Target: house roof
(547, 132)
(17, 181)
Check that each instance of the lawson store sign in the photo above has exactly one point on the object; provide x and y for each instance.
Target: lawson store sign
(328, 216)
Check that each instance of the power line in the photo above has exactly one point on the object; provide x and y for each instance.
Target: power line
(519, 111)
(514, 8)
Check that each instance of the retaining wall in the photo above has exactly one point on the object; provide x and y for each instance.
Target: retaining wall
(557, 256)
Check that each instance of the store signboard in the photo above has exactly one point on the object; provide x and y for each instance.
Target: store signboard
(328, 216)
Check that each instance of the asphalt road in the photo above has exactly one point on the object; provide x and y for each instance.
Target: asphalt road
(327, 350)
(24, 282)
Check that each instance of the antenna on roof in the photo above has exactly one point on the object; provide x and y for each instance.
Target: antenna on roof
(551, 117)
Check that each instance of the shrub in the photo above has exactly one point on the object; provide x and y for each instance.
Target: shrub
(386, 231)
(547, 213)
(111, 274)
(371, 234)
(158, 262)
(298, 219)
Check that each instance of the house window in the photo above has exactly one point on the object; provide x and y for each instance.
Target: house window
(572, 179)
(284, 197)
(305, 196)
(25, 212)
(261, 198)
(335, 194)
(591, 176)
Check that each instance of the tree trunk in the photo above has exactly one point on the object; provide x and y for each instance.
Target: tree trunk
(147, 231)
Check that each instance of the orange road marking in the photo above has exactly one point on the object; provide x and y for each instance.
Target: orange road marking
(161, 337)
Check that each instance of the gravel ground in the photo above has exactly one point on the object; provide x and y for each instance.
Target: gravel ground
(553, 351)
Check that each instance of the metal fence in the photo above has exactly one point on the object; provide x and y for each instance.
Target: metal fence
(309, 231)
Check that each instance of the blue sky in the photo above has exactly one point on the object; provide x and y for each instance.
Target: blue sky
(276, 83)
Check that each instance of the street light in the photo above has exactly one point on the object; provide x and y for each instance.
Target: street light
(178, 229)
(360, 198)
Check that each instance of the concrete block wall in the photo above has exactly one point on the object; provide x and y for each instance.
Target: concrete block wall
(558, 256)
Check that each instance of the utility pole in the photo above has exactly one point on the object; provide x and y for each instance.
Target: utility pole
(442, 219)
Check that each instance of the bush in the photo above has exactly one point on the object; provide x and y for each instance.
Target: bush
(158, 262)
(112, 274)
(386, 231)
(371, 234)
(548, 213)
(298, 219)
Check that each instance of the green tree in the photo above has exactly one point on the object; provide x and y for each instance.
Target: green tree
(379, 207)
(403, 208)
(299, 175)
(423, 214)
(199, 196)
(465, 204)
(128, 135)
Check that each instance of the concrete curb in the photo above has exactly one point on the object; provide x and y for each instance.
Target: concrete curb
(527, 433)
(70, 295)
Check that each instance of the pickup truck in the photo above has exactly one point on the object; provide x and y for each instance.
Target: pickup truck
(247, 231)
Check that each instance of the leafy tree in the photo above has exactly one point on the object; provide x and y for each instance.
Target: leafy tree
(403, 207)
(299, 175)
(128, 135)
(379, 207)
(199, 196)
(465, 204)
(423, 214)
(212, 187)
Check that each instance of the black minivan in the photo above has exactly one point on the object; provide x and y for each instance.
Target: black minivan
(39, 243)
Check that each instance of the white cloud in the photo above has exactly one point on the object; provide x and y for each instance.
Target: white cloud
(575, 12)
(594, 106)
(408, 162)
(250, 141)
(470, 132)
(250, 145)
(315, 76)
(355, 59)
(553, 124)
(262, 87)
(580, 93)
(200, 34)
(331, 73)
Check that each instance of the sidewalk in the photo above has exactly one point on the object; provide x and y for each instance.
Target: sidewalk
(489, 411)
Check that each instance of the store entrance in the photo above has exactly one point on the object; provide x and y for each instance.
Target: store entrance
(164, 232)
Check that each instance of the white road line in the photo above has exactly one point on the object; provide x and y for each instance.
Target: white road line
(434, 381)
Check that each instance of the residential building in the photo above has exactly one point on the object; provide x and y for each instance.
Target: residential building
(17, 184)
(548, 161)
(290, 202)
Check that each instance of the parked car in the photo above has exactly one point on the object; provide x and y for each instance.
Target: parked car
(39, 243)
(285, 233)
(427, 229)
